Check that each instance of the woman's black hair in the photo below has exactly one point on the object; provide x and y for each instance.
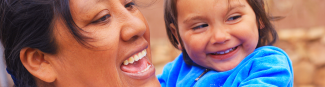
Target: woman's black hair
(29, 23)
(267, 35)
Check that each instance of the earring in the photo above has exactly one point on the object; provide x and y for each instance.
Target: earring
(179, 47)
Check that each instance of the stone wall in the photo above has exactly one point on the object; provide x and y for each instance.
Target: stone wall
(306, 49)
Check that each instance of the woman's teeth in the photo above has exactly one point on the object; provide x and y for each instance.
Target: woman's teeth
(224, 52)
(135, 57)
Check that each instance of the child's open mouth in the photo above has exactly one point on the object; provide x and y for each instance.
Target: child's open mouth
(225, 52)
(221, 55)
(137, 63)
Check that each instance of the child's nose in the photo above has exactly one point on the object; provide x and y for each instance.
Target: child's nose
(220, 36)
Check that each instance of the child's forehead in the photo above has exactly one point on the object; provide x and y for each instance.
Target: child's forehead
(218, 3)
(212, 5)
(231, 3)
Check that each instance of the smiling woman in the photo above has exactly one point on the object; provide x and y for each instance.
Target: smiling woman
(93, 43)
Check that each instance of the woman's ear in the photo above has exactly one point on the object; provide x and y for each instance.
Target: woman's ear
(37, 64)
(174, 31)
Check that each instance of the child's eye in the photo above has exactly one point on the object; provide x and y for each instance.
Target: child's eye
(200, 26)
(102, 19)
(129, 5)
(234, 18)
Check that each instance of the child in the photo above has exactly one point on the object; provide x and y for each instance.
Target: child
(223, 43)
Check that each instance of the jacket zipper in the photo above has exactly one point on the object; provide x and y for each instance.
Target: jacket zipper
(205, 71)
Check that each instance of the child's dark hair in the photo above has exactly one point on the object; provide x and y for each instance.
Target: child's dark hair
(267, 35)
(29, 23)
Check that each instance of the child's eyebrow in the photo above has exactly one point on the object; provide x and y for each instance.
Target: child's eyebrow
(193, 17)
(231, 7)
(197, 17)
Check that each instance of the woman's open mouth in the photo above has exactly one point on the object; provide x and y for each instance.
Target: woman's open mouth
(138, 65)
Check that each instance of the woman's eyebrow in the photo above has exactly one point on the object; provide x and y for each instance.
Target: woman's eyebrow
(85, 8)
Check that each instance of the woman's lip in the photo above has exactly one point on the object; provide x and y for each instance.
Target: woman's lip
(225, 56)
(142, 75)
(135, 53)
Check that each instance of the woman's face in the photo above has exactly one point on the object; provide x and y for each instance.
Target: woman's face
(119, 36)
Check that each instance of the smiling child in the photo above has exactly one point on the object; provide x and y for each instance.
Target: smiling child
(224, 43)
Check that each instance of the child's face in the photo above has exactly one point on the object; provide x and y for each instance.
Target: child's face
(217, 34)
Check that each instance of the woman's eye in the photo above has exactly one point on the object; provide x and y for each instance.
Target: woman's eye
(103, 19)
(234, 18)
(200, 26)
(129, 5)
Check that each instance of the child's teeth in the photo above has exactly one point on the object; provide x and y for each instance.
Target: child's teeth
(227, 51)
(131, 60)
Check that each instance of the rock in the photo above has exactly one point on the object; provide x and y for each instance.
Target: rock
(304, 73)
(320, 77)
(159, 68)
(308, 85)
(292, 34)
(298, 34)
(316, 53)
(284, 34)
(283, 5)
(315, 33)
(162, 52)
(300, 48)
(158, 52)
(322, 40)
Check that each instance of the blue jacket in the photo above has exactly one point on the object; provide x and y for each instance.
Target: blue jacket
(267, 66)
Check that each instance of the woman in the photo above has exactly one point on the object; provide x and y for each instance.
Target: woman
(76, 43)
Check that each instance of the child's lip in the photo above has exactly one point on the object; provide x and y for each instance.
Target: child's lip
(224, 56)
(223, 50)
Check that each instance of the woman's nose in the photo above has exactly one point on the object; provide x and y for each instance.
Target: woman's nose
(220, 36)
(133, 27)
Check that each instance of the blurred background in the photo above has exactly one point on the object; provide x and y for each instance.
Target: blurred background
(301, 35)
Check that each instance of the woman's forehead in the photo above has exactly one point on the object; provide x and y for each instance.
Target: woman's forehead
(84, 7)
